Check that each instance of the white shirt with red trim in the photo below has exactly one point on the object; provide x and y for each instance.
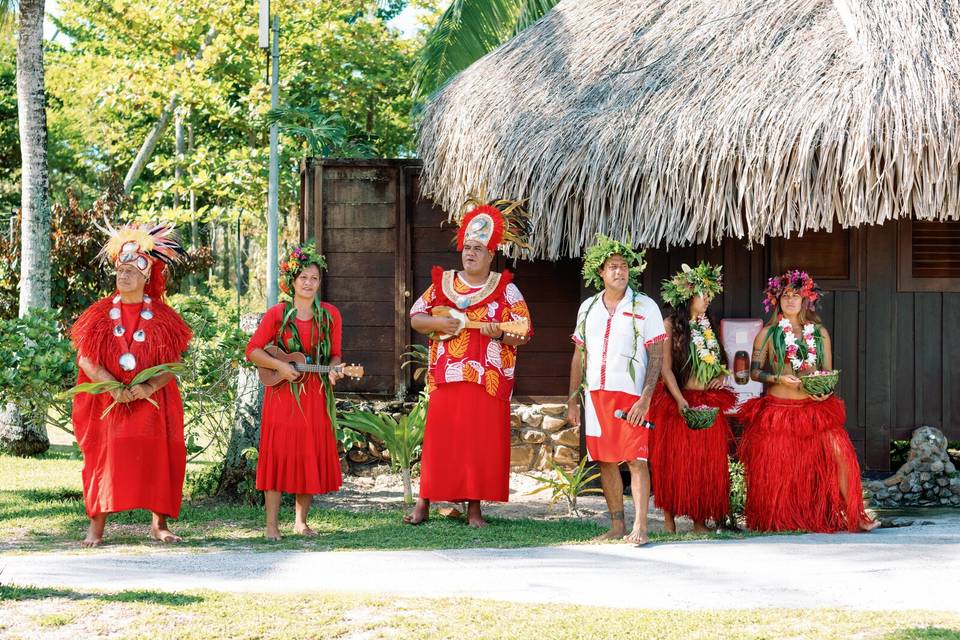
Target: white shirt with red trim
(610, 343)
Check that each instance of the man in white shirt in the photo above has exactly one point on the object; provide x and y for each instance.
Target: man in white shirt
(619, 337)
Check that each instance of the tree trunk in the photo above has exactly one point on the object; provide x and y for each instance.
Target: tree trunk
(407, 487)
(21, 434)
(237, 471)
(18, 435)
(35, 199)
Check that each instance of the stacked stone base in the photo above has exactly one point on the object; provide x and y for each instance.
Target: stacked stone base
(539, 435)
(927, 479)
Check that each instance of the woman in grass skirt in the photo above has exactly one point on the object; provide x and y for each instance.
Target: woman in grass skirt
(690, 467)
(800, 466)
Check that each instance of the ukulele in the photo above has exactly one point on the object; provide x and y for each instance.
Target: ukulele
(518, 328)
(271, 377)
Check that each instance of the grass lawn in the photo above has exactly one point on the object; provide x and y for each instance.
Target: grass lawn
(29, 612)
(41, 507)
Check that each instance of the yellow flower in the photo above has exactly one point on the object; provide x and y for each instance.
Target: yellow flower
(709, 359)
(708, 334)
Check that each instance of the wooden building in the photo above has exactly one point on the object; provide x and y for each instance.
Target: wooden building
(892, 302)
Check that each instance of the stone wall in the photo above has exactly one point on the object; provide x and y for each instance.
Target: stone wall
(927, 478)
(539, 434)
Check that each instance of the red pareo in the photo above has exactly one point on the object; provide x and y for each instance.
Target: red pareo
(135, 457)
(298, 450)
(690, 468)
(466, 443)
(795, 454)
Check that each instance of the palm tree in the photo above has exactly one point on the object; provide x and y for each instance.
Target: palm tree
(468, 30)
(31, 436)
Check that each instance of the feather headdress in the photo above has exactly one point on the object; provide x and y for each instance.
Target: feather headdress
(494, 223)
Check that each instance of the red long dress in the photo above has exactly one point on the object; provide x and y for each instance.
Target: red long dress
(135, 457)
(298, 450)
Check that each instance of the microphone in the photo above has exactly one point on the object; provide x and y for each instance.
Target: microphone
(622, 415)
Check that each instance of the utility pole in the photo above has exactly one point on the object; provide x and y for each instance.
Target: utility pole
(273, 207)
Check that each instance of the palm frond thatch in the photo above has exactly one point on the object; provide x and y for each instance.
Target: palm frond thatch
(685, 122)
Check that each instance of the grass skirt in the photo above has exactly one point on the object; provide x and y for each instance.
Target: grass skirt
(795, 455)
(689, 468)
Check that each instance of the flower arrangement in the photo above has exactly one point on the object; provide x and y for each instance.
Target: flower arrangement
(295, 261)
(700, 417)
(705, 359)
(602, 249)
(795, 280)
(705, 280)
(793, 347)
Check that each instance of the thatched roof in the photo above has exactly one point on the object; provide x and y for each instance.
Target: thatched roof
(685, 121)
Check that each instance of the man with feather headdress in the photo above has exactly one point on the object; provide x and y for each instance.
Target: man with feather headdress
(466, 447)
(134, 456)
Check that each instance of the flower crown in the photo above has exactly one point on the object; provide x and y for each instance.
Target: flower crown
(705, 280)
(493, 223)
(602, 249)
(795, 280)
(295, 262)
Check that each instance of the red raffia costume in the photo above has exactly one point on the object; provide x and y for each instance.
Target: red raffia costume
(793, 451)
(690, 468)
(466, 448)
(134, 457)
(298, 449)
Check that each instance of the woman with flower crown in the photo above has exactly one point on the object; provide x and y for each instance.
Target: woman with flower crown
(298, 451)
(800, 467)
(689, 467)
(134, 455)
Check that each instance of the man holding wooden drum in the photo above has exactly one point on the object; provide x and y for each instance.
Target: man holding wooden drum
(475, 318)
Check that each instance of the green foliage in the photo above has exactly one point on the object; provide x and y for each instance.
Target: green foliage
(209, 381)
(738, 494)
(403, 437)
(467, 31)
(418, 359)
(567, 485)
(36, 360)
(340, 66)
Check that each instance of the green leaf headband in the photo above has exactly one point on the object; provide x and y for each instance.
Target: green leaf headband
(706, 280)
(602, 249)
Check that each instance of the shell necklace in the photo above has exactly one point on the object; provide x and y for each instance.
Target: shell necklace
(128, 362)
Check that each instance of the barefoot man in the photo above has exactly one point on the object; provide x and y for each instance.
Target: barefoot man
(618, 338)
(134, 455)
(466, 446)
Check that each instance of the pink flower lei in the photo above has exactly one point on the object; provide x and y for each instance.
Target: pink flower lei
(795, 280)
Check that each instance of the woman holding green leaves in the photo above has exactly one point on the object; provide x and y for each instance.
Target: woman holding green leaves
(688, 464)
(298, 450)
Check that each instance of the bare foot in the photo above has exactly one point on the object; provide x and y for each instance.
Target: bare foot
(869, 525)
(637, 537)
(669, 523)
(304, 530)
(615, 533)
(474, 515)
(420, 513)
(91, 540)
(272, 534)
(164, 535)
(700, 527)
(95, 532)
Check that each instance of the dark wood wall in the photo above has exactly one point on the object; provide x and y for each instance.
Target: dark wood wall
(895, 348)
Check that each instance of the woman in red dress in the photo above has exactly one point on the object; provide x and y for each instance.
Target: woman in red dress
(298, 450)
(134, 456)
(800, 467)
(690, 468)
